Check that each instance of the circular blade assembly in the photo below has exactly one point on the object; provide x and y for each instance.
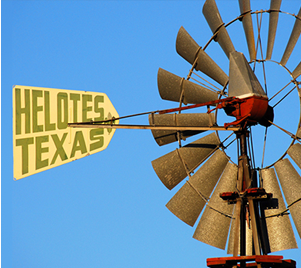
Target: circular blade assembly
(232, 195)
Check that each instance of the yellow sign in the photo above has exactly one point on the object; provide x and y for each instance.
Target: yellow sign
(41, 136)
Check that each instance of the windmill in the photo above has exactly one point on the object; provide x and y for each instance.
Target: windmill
(214, 143)
(240, 198)
(258, 225)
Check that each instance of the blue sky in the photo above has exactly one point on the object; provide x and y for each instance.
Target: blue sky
(108, 209)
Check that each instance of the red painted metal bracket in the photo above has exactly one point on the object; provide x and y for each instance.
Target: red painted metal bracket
(255, 193)
(251, 261)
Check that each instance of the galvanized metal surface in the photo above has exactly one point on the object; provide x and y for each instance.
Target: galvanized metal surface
(191, 51)
(295, 153)
(163, 137)
(189, 201)
(242, 79)
(290, 182)
(186, 46)
(213, 227)
(172, 87)
(279, 228)
(245, 9)
(273, 21)
(293, 40)
(215, 22)
(172, 168)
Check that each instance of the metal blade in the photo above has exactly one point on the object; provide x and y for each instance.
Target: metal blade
(248, 27)
(280, 232)
(186, 46)
(242, 79)
(163, 137)
(297, 71)
(295, 153)
(273, 21)
(290, 182)
(191, 52)
(215, 22)
(173, 88)
(173, 167)
(214, 224)
(188, 202)
(293, 40)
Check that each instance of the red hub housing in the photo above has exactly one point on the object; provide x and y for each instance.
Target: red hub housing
(252, 110)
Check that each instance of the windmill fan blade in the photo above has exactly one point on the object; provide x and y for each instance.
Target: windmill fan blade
(249, 243)
(172, 87)
(295, 153)
(280, 231)
(290, 181)
(214, 224)
(186, 46)
(248, 27)
(188, 202)
(173, 167)
(273, 21)
(215, 22)
(191, 51)
(163, 137)
(297, 71)
(242, 79)
(293, 40)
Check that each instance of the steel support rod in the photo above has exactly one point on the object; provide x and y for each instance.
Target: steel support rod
(245, 182)
(158, 127)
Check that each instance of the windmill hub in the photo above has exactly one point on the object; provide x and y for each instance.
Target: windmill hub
(250, 110)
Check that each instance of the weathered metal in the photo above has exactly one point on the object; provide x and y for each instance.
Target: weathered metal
(163, 137)
(189, 201)
(273, 21)
(279, 229)
(290, 182)
(216, 24)
(173, 167)
(174, 88)
(293, 39)
(214, 224)
(242, 80)
(295, 153)
(196, 56)
(245, 11)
